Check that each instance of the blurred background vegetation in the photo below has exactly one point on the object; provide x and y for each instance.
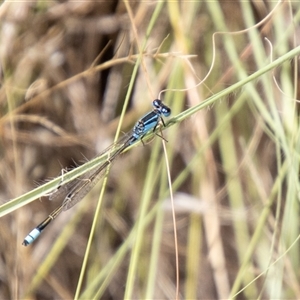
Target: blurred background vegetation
(66, 68)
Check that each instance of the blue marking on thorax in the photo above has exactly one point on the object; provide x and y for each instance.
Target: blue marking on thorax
(150, 120)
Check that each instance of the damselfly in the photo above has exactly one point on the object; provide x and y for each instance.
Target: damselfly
(75, 190)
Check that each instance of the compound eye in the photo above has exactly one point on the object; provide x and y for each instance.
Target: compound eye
(157, 103)
(166, 111)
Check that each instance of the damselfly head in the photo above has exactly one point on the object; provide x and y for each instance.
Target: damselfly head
(163, 109)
